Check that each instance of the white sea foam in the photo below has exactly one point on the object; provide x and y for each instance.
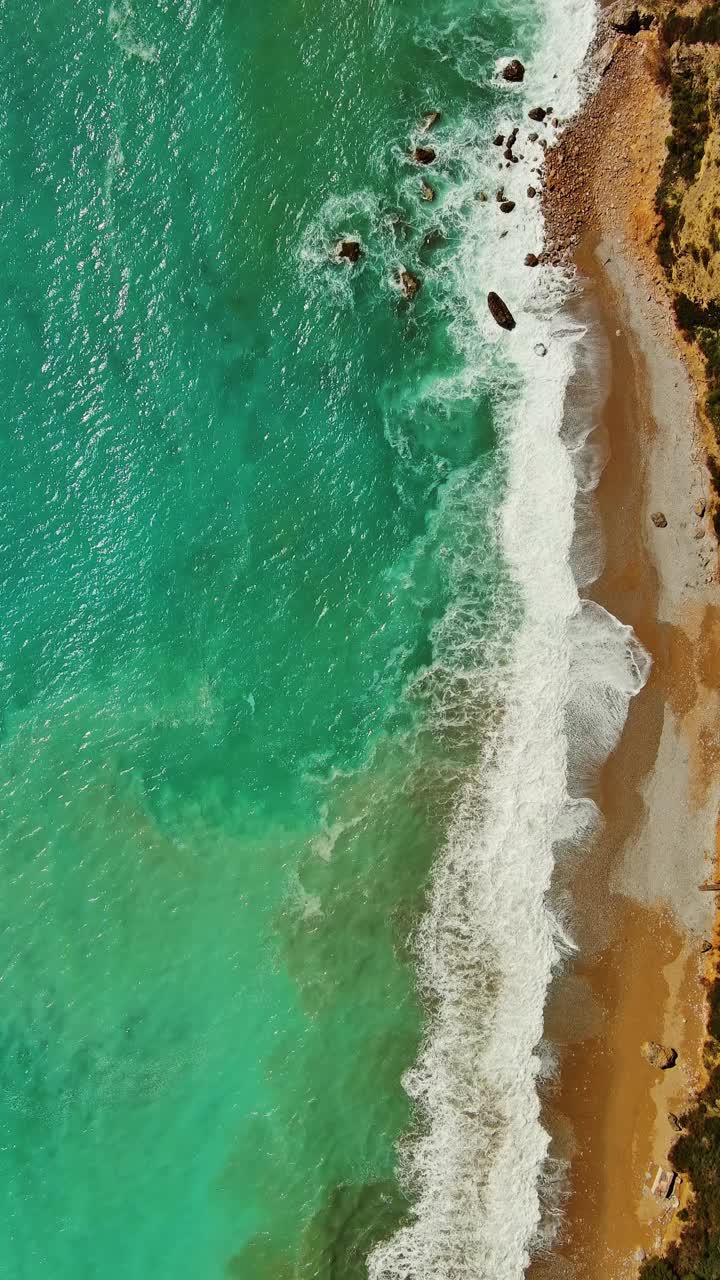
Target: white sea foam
(483, 1190)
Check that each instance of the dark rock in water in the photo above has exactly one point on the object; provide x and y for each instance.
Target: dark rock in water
(434, 239)
(429, 120)
(500, 194)
(555, 122)
(532, 137)
(537, 113)
(481, 197)
(423, 155)
(427, 192)
(409, 283)
(531, 260)
(630, 18)
(508, 153)
(513, 71)
(512, 138)
(507, 206)
(348, 250)
(659, 519)
(500, 312)
(395, 218)
(531, 192)
(498, 140)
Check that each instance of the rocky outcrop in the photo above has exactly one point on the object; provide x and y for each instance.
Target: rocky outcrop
(500, 311)
(513, 71)
(348, 250)
(660, 1056)
(424, 155)
(409, 283)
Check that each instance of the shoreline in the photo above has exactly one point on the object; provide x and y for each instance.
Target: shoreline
(642, 923)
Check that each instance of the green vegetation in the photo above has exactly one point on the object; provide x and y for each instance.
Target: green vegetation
(697, 28)
(690, 122)
(696, 1154)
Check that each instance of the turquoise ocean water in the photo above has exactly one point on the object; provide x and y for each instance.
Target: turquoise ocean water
(248, 562)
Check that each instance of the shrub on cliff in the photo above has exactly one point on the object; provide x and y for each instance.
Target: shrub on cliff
(657, 1269)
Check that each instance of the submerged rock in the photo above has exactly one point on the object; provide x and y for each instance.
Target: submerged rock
(427, 192)
(660, 1056)
(659, 519)
(500, 311)
(429, 120)
(424, 155)
(540, 349)
(513, 71)
(409, 283)
(348, 250)
(532, 137)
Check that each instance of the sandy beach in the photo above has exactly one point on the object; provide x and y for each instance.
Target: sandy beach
(641, 921)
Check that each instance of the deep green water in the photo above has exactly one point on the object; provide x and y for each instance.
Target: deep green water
(236, 524)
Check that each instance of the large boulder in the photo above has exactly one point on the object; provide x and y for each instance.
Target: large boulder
(537, 113)
(660, 1056)
(513, 71)
(507, 206)
(630, 18)
(348, 250)
(500, 311)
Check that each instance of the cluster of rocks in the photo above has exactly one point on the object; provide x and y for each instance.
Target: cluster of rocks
(350, 251)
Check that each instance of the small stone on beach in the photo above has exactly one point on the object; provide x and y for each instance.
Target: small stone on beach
(540, 349)
(659, 519)
(699, 508)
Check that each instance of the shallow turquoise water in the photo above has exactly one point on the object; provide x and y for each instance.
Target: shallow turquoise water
(232, 529)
